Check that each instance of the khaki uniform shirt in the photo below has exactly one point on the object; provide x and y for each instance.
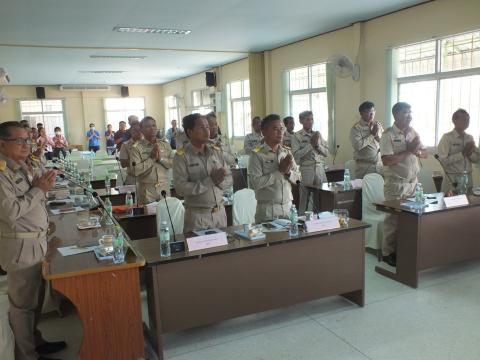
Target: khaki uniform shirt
(181, 139)
(450, 150)
(191, 176)
(310, 160)
(287, 139)
(365, 147)
(394, 141)
(22, 210)
(251, 142)
(124, 154)
(269, 184)
(227, 150)
(151, 172)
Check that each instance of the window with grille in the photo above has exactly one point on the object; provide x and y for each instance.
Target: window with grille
(239, 107)
(48, 112)
(436, 78)
(201, 102)
(119, 109)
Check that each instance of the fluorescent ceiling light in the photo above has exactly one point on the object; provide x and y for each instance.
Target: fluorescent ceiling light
(101, 71)
(144, 30)
(119, 57)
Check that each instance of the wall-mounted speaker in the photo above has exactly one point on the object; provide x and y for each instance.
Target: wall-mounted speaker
(124, 91)
(40, 90)
(210, 78)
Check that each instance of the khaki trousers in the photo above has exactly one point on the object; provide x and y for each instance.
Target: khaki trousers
(148, 193)
(266, 212)
(197, 219)
(394, 189)
(364, 168)
(305, 193)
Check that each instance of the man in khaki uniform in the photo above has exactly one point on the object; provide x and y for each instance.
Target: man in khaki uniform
(220, 141)
(289, 123)
(309, 150)
(271, 169)
(23, 238)
(400, 147)
(200, 175)
(255, 138)
(365, 139)
(150, 160)
(126, 149)
(457, 151)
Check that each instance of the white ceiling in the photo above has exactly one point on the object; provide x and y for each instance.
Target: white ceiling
(48, 42)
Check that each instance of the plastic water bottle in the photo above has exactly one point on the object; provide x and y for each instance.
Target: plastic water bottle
(419, 198)
(107, 183)
(293, 231)
(108, 210)
(164, 240)
(118, 246)
(347, 183)
(129, 203)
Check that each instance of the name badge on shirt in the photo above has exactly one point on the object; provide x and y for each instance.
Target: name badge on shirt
(269, 161)
(18, 181)
(191, 165)
(457, 144)
(397, 140)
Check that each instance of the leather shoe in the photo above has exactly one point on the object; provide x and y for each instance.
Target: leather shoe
(391, 259)
(51, 347)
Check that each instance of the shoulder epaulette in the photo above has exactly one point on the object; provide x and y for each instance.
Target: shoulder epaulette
(216, 147)
(3, 165)
(180, 152)
(286, 147)
(257, 149)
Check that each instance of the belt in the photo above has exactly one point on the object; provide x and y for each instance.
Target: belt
(207, 210)
(366, 161)
(24, 235)
(269, 202)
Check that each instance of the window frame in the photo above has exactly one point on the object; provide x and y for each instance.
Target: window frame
(64, 126)
(105, 111)
(168, 109)
(438, 75)
(309, 91)
(242, 99)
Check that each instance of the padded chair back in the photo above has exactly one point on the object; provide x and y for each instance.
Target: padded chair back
(177, 212)
(244, 207)
(372, 192)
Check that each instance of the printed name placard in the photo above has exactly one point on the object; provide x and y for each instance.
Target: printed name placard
(453, 201)
(323, 224)
(207, 241)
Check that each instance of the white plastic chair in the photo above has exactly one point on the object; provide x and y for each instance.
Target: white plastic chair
(372, 192)
(177, 212)
(350, 165)
(244, 207)
(7, 342)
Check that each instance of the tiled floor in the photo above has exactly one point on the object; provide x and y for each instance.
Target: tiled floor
(439, 320)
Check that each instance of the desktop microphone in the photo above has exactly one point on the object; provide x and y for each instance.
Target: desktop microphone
(135, 180)
(454, 183)
(164, 194)
(101, 204)
(300, 184)
(120, 169)
(335, 154)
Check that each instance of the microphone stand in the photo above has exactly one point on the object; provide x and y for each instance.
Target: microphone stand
(120, 169)
(335, 154)
(454, 183)
(164, 194)
(300, 185)
(135, 180)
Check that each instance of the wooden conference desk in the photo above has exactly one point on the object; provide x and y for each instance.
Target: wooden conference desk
(333, 196)
(145, 225)
(435, 237)
(99, 182)
(116, 197)
(193, 289)
(106, 296)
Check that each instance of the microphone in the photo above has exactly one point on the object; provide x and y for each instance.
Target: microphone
(164, 194)
(335, 154)
(101, 204)
(135, 180)
(300, 184)
(120, 169)
(454, 183)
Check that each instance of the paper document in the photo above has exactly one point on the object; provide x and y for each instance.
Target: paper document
(74, 250)
(66, 210)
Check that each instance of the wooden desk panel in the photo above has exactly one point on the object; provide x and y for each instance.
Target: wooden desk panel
(334, 197)
(106, 295)
(245, 277)
(435, 237)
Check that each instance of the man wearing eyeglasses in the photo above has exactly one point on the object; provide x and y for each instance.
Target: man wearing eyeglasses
(23, 238)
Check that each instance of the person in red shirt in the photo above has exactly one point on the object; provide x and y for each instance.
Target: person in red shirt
(60, 144)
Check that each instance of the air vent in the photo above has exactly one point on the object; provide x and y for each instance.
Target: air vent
(84, 87)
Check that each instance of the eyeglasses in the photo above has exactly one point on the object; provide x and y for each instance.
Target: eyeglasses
(20, 141)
